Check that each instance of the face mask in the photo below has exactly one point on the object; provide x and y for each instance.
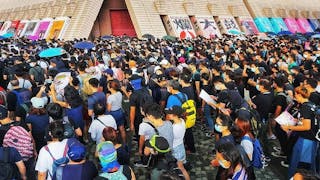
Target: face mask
(223, 165)
(32, 64)
(50, 67)
(191, 55)
(217, 87)
(258, 87)
(223, 76)
(217, 128)
(317, 55)
(168, 89)
(253, 69)
(305, 56)
(4, 56)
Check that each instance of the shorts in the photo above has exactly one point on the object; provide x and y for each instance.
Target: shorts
(118, 115)
(179, 152)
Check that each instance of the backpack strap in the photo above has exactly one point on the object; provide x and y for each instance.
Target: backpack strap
(48, 150)
(101, 122)
(247, 138)
(183, 99)
(155, 129)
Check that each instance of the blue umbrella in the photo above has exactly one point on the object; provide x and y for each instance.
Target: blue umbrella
(282, 33)
(51, 52)
(107, 37)
(271, 33)
(84, 45)
(235, 32)
(7, 35)
(316, 36)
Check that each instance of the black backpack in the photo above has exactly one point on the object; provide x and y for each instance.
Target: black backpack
(8, 170)
(144, 98)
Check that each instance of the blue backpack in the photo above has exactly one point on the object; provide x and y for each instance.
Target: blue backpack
(58, 162)
(257, 156)
(23, 96)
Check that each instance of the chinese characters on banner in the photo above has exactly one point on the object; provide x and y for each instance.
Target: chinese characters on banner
(205, 26)
(182, 27)
(292, 25)
(228, 23)
(248, 26)
(278, 24)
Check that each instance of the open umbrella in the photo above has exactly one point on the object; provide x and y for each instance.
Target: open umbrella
(148, 36)
(84, 45)
(107, 37)
(51, 52)
(170, 38)
(316, 36)
(271, 33)
(234, 32)
(7, 35)
(283, 33)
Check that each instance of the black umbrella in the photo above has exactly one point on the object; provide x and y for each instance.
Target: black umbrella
(149, 36)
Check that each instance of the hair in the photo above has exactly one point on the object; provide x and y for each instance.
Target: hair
(312, 82)
(173, 73)
(38, 111)
(94, 82)
(57, 130)
(243, 126)
(75, 81)
(110, 134)
(174, 84)
(217, 79)
(114, 85)
(186, 75)
(307, 174)
(205, 76)
(82, 66)
(231, 154)
(55, 111)
(99, 109)
(279, 81)
(154, 110)
(265, 83)
(72, 96)
(225, 120)
(14, 82)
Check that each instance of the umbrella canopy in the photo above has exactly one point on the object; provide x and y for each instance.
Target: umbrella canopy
(84, 45)
(271, 33)
(170, 38)
(316, 36)
(7, 35)
(51, 52)
(107, 37)
(148, 36)
(281, 33)
(234, 32)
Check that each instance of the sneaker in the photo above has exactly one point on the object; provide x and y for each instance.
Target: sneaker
(278, 154)
(272, 137)
(284, 164)
(140, 164)
(277, 149)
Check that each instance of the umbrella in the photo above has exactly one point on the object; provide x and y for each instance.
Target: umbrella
(271, 33)
(234, 32)
(84, 45)
(316, 36)
(148, 36)
(170, 38)
(107, 37)
(282, 33)
(7, 35)
(51, 52)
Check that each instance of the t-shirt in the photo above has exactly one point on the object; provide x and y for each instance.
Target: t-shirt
(23, 83)
(4, 129)
(85, 171)
(305, 112)
(179, 130)
(279, 100)
(134, 100)
(166, 131)
(189, 91)
(45, 161)
(247, 146)
(115, 100)
(123, 155)
(76, 115)
(225, 139)
(39, 122)
(146, 130)
(263, 102)
(174, 101)
(12, 100)
(97, 97)
(97, 127)
(315, 98)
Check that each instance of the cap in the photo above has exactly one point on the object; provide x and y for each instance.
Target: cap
(37, 102)
(108, 71)
(108, 156)
(152, 60)
(181, 60)
(176, 110)
(159, 143)
(77, 152)
(3, 112)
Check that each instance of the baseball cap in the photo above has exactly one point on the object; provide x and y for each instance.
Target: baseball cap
(108, 71)
(176, 110)
(3, 112)
(108, 156)
(37, 102)
(159, 143)
(77, 152)
(164, 62)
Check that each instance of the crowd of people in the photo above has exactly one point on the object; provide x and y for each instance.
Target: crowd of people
(150, 90)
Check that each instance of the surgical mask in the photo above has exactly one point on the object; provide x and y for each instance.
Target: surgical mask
(223, 76)
(217, 128)
(222, 165)
(258, 87)
(191, 55)
(32, 64)
(4, 56)
(305, 56)
(217, 87)
(50, 67)
(253, 69)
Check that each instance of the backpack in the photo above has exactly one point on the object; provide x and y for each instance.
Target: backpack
(257, 156)
(190, 110)
(235, 101)
(20, 139)
(118, 175)
(289, 100)
(316, 112)
(23, 95)
(68, 128)
(145, 98)
(39, 77)
(58, 162)
(8, 170)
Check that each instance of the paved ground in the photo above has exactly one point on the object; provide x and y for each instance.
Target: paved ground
(201, 159)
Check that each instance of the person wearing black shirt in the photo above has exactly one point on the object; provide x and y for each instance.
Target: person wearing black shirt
(304, 150)
(311, 84)
(298, 76)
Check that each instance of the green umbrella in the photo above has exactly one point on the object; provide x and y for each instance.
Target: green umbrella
(170, 38)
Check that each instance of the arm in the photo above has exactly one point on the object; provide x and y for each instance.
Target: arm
(108, 107)
(133, 177)
(22, 169)
(54, 97)
(306, 126)
(41, 91)
(141, 142)
(277, 112)
(132, 116)
(42, 175)
(197, 83)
